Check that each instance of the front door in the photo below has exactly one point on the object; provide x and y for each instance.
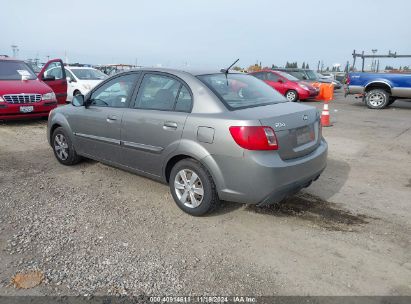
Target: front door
(97, 126)
(54, 75)
(153, 126)
(276, 82)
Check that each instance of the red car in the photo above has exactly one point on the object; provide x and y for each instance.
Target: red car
(23, 94)
(292, 88)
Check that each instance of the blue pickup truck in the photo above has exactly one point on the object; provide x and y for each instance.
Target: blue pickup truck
(379, 90)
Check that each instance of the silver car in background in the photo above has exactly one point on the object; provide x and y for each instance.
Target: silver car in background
(211, 136)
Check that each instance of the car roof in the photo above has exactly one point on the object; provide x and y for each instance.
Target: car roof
(10, 59)
(194, 72)
(77, 67)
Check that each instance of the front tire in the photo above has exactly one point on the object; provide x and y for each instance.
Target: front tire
(63, 148)
(193, 188)
(291, 95)
(377, 99)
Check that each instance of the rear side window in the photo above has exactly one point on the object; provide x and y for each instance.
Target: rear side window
(164, 93)
(239, 91)
(184, 100)
(259, 75)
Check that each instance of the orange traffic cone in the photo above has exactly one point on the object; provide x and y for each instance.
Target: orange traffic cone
(325, 116)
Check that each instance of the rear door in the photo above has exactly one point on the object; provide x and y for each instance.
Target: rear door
(97, 127)
(54, 75)
(153, 125)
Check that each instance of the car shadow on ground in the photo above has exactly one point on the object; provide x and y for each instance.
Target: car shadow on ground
(314, 206)
(317, 211)
(24, 122)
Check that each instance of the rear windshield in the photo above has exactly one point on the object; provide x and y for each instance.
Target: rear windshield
(15, 70)
(239, 91)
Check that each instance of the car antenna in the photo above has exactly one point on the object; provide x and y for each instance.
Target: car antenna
(225, 71)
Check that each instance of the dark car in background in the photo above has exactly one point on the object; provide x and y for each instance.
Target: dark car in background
(291, 87)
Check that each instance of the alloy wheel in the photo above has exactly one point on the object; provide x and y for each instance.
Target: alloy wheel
(189, 188)
(376, 99)
(61, 147)
(291, 96)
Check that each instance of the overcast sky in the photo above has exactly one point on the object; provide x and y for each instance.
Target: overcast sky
(205, 33)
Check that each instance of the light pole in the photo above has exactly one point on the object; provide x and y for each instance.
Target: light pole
(374, 61)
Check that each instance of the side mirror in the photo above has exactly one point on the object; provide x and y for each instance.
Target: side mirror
(280, 80)
(305, 77)
(69, 79)
(78, 100)
(49, 78)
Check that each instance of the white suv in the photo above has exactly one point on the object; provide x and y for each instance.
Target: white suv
(81, 80)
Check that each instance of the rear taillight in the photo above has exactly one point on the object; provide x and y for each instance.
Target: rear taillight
(347, 80)
(255, 137)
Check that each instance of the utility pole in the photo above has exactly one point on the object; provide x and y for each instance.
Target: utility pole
(15, 50)
(374, 61)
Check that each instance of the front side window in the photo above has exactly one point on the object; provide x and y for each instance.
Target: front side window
(272, 77)
(15, 70)
(114, 93)
(69, 74)
(298, 75)
(239, 91)
(288, 76)
(54, 69)
(311, 75)
(157, 92)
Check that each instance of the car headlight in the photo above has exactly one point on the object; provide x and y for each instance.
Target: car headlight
(1, 99)
(49, 96)
(303, 86)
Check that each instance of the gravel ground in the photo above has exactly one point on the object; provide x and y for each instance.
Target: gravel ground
(95, 230)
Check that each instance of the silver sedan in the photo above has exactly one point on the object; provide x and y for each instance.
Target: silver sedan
(210, 135)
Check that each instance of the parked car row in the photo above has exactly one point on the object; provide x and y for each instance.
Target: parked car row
(291, 87)
(310, 76)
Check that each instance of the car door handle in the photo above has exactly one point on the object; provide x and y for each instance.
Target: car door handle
(170, 125)
(111, 118)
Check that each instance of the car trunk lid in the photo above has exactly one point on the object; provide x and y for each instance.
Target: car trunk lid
(297, 128)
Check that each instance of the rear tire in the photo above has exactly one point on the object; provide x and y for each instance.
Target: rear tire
(63, 148)
(193, 188)
(291, 95)
(377, 99)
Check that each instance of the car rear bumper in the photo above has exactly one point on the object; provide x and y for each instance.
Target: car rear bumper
(262, 178)
(307, 94)
(12, 111)
(353, 89)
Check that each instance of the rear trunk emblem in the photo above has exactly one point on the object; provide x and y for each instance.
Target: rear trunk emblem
(305, 117)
